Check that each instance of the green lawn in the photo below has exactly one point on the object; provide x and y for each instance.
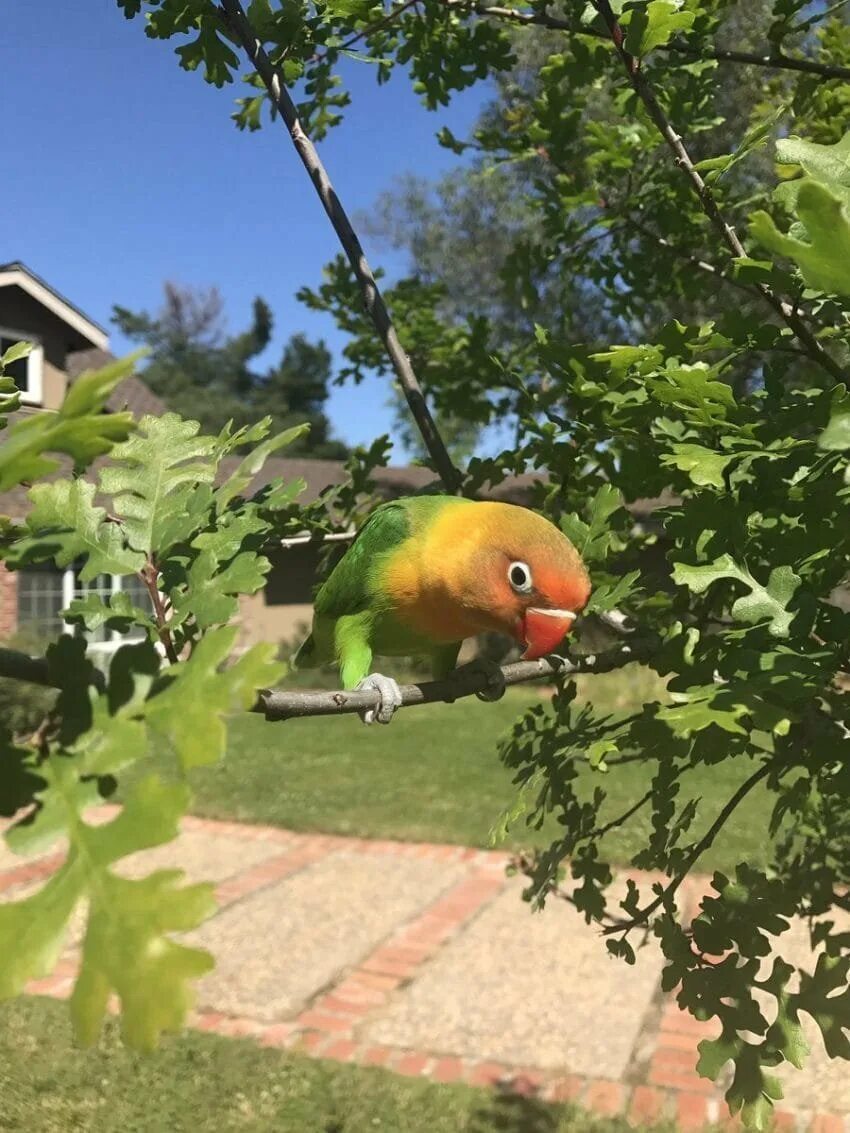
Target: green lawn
(433, 775)
(204, 1084)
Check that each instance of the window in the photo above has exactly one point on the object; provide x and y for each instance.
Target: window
(26, 372)
(44, 592)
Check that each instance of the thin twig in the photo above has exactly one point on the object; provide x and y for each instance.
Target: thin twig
(149, 576)
(234, 16)
(645, 93)
(388, 19)
(818, 17)
(773, 62)
(702, 845)
(680, 253)
(303, 540)
(621, 819)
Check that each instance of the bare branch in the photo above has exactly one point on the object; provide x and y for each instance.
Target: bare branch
(234, 16)
(645, 93)
(285, 705)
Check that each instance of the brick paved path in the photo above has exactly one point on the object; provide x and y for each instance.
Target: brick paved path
(423, 959)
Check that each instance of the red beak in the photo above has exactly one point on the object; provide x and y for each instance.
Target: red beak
(542, 630)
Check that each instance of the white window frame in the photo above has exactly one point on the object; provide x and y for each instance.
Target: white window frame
(34, 394)
(115, 639)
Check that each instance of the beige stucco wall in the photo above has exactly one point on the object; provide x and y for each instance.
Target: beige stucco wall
(283, 624)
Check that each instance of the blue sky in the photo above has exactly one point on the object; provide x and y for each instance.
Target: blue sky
(122, 170)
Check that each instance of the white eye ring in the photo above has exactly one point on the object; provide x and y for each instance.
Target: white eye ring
(519, 576)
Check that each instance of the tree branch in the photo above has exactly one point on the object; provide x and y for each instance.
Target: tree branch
(786, 311)
(237, 22)
(702, 845)
(286, 705)
(774, 62)
(149, 576)
(19, 666)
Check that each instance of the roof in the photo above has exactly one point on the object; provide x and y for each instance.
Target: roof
(17, 274)
(390, 483)
(130, 394)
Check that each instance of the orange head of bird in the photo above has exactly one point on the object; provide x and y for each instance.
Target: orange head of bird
(530, 580)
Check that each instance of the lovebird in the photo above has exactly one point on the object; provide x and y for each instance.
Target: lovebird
(426, 572)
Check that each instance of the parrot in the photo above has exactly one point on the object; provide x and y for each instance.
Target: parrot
(425, 572)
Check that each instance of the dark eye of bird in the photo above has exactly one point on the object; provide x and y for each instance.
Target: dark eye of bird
(519, 576)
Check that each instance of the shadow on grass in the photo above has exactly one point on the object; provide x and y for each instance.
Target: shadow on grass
(514, 1113)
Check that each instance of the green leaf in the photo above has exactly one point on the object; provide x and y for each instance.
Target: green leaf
(210, 593)
(763, 603)
(126, 948)
(824, 259)
(57, 802)
(704, 467)
(190, 712)
(154, 481)
(232, 533)
(608, 596)
(758, 134)
(836, 436)
(654, 25)
(593, 539)
(695, 389)
(622, 358)
(700, 708)
(16, 351)
(825, 996)
(79, 429)
(248, 468)
(64, 524)
(829, 164)
(118, 613)
(33, 931)
(769, 603)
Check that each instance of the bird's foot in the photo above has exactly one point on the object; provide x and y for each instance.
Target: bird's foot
(390, 698)
(495, 688)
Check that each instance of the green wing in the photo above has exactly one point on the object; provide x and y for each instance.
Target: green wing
(350, 587)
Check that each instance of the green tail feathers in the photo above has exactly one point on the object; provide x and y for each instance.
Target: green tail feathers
(305, 654)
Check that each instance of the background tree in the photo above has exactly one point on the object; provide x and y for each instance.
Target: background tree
(201, 371)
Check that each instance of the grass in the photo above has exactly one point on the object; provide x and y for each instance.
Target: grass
(206, 1084)
(434, 775)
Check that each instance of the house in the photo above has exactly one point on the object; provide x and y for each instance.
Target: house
(67, 342)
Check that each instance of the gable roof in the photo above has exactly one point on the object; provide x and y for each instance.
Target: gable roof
(17, 274)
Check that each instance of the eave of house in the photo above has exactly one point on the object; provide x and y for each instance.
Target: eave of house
(18, 275)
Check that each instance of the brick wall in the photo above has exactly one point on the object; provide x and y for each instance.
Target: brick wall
(8, 603)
